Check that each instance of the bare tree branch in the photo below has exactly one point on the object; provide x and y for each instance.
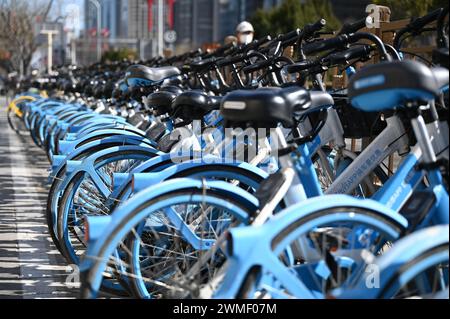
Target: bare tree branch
(17, 30)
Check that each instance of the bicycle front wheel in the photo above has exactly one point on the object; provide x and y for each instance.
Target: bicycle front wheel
(157, 243)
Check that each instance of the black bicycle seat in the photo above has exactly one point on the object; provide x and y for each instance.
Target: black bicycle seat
(69, 87)
(194, 105)
(88, 88)
(172, 88)
(108, 90)
(267, 107)
(98, 90)
(161, 101)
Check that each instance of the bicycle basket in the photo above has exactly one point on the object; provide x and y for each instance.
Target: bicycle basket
(357, 124)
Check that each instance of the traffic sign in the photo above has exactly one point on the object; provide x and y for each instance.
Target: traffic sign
(170, 36)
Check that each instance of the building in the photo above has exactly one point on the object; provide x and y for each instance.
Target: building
(206, 21)
(124, 23)
(231, 12)
(196, 22)
(139, 19)
(114, 18)
(126, 20)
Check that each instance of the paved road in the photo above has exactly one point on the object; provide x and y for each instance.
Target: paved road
(30, 265)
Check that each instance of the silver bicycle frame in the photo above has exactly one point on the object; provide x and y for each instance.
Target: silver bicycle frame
(392, 139)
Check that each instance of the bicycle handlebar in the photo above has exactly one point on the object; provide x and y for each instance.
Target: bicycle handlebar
(419, 23)
(348, 28)
(301, 66)
(339, 42)
(332, 59)
(342, 41)
(220, 51)
(256, 44)
(257, 66)
(416, 25)
(343, 57)
(230, 60)
(289, 35)
(310, 29)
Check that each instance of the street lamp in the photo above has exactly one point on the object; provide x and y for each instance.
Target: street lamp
(49, 34)
(99, 26)
(160, 27)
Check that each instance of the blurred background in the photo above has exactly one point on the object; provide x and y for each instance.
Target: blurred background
(36, 35)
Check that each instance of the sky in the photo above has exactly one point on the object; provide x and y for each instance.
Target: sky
(64, 8)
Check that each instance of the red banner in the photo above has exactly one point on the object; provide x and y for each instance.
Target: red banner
(170, 14)
(150, 15)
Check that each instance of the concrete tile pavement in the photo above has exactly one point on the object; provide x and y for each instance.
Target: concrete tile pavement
(30, 265)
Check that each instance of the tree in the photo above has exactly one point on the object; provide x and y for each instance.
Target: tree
(119, 55)
(17, 21)
(292, 14)
(402, 9)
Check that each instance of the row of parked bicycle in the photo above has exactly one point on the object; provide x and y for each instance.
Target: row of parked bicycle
(226, 174)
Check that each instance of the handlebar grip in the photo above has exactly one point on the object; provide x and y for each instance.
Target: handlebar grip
(419, 23)
(248, 47)
(224, 48)
(310, 29)
(195, 53)
(350, 54)
(300, 66)
(231, 51)
(257, 66)
(289, 35)
(348, 28)
(325, 45)
(255, 44)
(264, 40)
(229, 61)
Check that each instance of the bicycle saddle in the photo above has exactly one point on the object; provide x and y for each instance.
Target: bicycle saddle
(88, 88)
(119, 88)
(172, 88)
(441, 76)
(389, 85)
(79, 87)
(161, 101)
(98, 90)
(194, 105)
(108, 89)
(141, 75)
(266, 107)
(69, 87)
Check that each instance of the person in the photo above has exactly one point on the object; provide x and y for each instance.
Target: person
(245, 32)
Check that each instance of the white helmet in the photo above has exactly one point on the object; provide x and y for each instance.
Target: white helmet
(244, 27)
